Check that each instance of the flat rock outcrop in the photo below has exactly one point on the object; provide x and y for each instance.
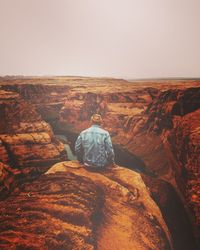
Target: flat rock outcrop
(72, 208)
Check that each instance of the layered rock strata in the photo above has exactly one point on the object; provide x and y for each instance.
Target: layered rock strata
(153, 122)
(9, 179)
(27, 143)
(47, 99)
(72, 208)
(175, 118)
(163, 132)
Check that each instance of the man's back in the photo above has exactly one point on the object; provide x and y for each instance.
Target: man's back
(94, 147)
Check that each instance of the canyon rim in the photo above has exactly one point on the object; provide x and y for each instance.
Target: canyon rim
(150, 200)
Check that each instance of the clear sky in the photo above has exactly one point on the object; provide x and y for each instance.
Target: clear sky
(114, 38)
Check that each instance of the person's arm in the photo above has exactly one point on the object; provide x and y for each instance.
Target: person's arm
(109, 149)
(78, 149)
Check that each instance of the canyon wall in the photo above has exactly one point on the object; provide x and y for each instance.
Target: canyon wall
(175, 117)
(160, 127)
(154, 128)
(27, 143)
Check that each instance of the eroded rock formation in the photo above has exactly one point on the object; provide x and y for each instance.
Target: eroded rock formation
(46, 100)
(72, 208)
(163, 132)
(9, 179)
(116, 108)
(27, 143)
(154, 127)
(175, 118)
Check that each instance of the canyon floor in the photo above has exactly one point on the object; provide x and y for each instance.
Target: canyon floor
(149, 200)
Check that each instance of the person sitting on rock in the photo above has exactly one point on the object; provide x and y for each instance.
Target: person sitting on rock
(93, 146)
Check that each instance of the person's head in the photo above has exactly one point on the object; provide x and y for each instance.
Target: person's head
(96, 119)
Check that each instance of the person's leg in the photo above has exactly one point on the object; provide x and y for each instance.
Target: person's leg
(95, 169)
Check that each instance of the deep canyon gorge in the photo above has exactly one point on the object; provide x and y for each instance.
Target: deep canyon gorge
(149, 200)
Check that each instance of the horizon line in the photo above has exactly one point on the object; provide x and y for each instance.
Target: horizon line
(108, 77)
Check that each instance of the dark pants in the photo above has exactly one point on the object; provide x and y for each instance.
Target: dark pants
(95, 169)
(100, 169)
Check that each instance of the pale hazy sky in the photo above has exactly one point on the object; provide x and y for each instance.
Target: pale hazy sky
(117, 38)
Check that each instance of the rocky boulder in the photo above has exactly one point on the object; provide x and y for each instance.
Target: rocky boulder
(72, 208)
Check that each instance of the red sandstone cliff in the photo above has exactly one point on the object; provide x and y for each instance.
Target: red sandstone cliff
(158, 124)
(174, 117)
(144, 118)
(162, 130)
(27, 143)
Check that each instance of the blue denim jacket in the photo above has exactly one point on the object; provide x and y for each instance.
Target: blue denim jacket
(94, 147)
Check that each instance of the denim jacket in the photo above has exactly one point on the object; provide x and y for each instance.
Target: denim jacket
(94, 147)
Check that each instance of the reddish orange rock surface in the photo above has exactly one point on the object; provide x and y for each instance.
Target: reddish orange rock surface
(146, 120)
(72, 208)
(27, 143)
(156, 123)
(9, 179)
